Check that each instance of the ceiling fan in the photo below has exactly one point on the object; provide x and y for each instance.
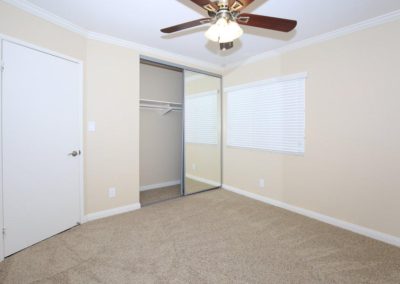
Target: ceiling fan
(225, 17)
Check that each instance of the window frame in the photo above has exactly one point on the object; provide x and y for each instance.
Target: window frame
(260, 83)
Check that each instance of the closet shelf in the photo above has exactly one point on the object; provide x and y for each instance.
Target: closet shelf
(161, 105)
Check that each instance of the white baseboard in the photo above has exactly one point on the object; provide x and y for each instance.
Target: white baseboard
(159, 185)
(110, 212)
(389, 239)
(203, 180)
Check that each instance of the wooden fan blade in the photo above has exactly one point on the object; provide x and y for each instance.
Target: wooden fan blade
(238, 5)
(186, 25)
(265, 22)
(207, 5)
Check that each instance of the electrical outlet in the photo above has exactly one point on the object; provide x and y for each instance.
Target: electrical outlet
(261, 183)
(194, 167)
(112, 192)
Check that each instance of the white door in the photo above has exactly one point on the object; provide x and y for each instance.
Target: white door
(41, 126)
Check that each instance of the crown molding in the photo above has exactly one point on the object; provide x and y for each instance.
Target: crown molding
(158, 53)
(143, 49)
(370, 23)
(45, 15)
(155, 52)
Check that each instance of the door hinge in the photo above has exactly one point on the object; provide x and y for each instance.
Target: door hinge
(2, 65)
(4, 231)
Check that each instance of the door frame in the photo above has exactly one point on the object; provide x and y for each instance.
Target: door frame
(80, 128)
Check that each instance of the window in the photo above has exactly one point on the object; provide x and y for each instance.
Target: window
(201, 122)
(268, 115)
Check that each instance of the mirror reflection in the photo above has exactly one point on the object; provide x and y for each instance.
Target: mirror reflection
(202, 132)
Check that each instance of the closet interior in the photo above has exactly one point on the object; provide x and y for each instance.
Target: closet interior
(180, 132)
(161, 132)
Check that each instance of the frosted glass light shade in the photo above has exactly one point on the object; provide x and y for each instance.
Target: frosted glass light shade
(214, 32)
(223, 32)
(232, 31)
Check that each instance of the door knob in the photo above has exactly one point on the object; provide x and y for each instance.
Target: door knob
(74, 153)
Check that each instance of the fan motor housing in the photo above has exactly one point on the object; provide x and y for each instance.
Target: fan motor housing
(226, 45)
(223, 4)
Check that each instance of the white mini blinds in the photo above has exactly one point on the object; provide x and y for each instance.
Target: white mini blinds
(268, 115)
(201, 122)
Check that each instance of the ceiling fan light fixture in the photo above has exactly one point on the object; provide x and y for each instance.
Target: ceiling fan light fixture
(216, 29)
(224, 31)
(232, 32)
(225, 46)
(226, 18)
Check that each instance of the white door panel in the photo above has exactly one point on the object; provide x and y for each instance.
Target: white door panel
(40, 121)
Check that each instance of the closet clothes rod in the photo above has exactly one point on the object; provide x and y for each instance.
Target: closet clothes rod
(165, 109)
(163, 103)
(160, 107)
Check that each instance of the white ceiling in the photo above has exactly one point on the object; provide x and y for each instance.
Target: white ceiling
(141, 21)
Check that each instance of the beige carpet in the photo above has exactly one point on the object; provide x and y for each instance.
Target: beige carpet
(152, 196)
(212, 237)
(194, 186)
(149, 197)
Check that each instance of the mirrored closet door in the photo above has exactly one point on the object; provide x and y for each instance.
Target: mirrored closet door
(202, 132)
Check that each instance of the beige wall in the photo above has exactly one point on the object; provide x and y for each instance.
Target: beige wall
(350, 168)
(196, 83)
(160, 135)
(111, 95)
(112, 101)
(24, 26)
(351, 162)
(201, 160)
(206, 160)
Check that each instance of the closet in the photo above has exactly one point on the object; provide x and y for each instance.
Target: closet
(161, 130)
(180, 132)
